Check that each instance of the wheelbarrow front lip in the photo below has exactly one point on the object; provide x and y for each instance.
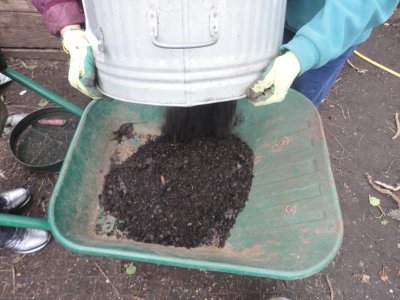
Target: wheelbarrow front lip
(193, 263)
(173, 260)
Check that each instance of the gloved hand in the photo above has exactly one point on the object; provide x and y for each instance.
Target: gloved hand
(278, 76)
(81, 68)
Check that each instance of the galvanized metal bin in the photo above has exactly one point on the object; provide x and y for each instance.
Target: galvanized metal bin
(182, 53)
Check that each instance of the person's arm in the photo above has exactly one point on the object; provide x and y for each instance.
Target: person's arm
(63, 19)
(60, 13)
(339, 25)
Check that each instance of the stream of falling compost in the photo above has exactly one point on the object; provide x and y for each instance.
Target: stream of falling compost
(183, 124)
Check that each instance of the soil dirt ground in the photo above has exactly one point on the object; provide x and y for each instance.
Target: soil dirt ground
(157, 196)
(358, 118)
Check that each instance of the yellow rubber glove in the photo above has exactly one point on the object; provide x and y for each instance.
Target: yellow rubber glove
(81, 67)
(278, 77)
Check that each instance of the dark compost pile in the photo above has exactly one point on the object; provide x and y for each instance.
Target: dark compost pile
(184, 194)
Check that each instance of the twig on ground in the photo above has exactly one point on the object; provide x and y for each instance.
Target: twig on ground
(13, 277)
(359, 141)
(388, 186)
(391, 127)
(398, 127)
(13, 177)
(336, 125)
(390, 166)
(368, 236)
(382, 190)
(346, 157)
(14, 168)
(41, 185)
(51, 182)
(40, 201)
(332, 294)
(383, 213)
(5, 287)
(341, 171)
(341, 107)
(18, 259)
(339, 143)
(361, 71)
(336, 169)
(338, 161)
(108, 280)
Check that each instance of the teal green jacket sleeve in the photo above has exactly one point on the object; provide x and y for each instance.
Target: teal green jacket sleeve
(325, 32)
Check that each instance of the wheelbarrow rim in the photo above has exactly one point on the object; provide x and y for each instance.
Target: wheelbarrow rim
(171, 260)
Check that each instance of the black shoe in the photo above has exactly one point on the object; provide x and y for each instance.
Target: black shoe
(21, 240)
(14, 199)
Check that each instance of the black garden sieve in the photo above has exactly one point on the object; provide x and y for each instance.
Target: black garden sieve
(40, 140)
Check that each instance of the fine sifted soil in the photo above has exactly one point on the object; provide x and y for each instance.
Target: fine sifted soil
(182, 194)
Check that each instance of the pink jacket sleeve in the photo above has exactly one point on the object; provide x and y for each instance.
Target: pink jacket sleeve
(60, 13)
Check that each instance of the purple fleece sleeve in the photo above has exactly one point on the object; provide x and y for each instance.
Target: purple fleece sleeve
(60, 13)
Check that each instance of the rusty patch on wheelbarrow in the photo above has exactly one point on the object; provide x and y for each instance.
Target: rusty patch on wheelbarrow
(227, 250)
(122, 152)
(257, 159)
(253, 252)
(277, 146)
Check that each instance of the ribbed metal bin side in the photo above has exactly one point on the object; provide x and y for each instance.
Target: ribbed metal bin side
(131, 67)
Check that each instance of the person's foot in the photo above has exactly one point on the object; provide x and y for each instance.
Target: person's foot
(14, 199)
(24, 241)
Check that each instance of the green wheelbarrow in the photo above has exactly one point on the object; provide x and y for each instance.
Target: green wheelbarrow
(290, 228)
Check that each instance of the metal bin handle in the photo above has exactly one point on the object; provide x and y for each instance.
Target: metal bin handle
(153, 28)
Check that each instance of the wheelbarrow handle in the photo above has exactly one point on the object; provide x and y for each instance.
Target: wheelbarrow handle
(38, 89)
(24, 222)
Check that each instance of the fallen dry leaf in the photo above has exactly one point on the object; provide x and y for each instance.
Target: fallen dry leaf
(365, 278)
(383, 275)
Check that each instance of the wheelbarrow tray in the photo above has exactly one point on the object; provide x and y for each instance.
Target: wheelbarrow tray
(291, 226)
